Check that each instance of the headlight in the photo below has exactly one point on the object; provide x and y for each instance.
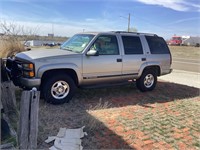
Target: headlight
(28, 70)
(28, 66)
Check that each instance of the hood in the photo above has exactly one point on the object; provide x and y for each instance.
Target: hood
(43, 53)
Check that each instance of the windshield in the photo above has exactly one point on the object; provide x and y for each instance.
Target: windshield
(77, 43)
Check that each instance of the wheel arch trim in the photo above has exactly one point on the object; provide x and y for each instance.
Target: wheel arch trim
(61, 66)
(149, 65)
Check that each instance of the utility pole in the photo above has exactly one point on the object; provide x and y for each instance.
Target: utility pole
(129, 18)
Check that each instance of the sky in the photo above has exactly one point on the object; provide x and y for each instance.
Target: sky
(67, 17)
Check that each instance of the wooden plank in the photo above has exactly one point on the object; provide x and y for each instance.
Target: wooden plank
(34, 110)
(24, 120)
(8, 98)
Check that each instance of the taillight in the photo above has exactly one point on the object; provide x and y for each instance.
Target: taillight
(170, 58)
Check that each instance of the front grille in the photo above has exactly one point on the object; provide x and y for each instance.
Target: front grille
(13, 69)
(16, 71)
(9, 63)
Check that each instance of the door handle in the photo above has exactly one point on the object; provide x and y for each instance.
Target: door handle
(119, 60)
(143, 59)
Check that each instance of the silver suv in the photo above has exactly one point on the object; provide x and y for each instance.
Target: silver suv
(92, 60)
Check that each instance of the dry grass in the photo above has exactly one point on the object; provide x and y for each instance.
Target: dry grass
(100, 105)
(185, 52)
(10, 48)
(91, 121)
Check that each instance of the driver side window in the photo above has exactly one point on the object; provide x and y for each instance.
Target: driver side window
(106, 45)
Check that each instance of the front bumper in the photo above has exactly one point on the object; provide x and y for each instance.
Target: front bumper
(168, 71)
(30, 83)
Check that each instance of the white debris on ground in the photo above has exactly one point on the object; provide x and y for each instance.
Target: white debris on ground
(67, 139)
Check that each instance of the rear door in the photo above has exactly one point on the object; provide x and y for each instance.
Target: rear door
(133, 56)
(159, 53)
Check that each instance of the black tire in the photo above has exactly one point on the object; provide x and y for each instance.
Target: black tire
(147, 81)
(58, 84)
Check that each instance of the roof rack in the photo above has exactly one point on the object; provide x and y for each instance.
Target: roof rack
(138, 33)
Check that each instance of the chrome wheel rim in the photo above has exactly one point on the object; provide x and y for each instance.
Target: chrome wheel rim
(60, 89)
(148, 80)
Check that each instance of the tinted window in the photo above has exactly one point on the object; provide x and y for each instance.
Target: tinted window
(132, 45)
(106, 45)
(157, 45)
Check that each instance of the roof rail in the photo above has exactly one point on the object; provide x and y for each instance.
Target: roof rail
(138, 33)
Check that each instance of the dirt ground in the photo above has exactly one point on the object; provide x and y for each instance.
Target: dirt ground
(185, 52)
(125, 118)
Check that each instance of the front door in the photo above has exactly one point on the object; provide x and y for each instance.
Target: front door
(107, 66)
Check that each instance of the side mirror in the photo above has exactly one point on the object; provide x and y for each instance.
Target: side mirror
(92, 52)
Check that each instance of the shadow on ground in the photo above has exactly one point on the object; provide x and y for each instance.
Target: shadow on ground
(75, 113)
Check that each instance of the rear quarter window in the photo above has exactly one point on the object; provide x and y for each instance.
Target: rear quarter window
(157, 45)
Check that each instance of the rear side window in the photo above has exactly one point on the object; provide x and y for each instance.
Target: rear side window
(157, 45)
(132, 45)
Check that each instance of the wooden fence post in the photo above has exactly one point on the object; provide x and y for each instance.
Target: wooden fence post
(35, 97)
(24, 120)
(29, 110)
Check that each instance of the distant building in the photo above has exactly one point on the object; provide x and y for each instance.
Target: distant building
(50, 35)
(36, 42)
(41, 43)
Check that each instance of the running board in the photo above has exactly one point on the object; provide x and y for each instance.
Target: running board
(100, 85)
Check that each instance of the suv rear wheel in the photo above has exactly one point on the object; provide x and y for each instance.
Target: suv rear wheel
(147, 81)
(58, 89)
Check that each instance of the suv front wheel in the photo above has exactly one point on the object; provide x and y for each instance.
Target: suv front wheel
(147, 80)
(58, 89)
